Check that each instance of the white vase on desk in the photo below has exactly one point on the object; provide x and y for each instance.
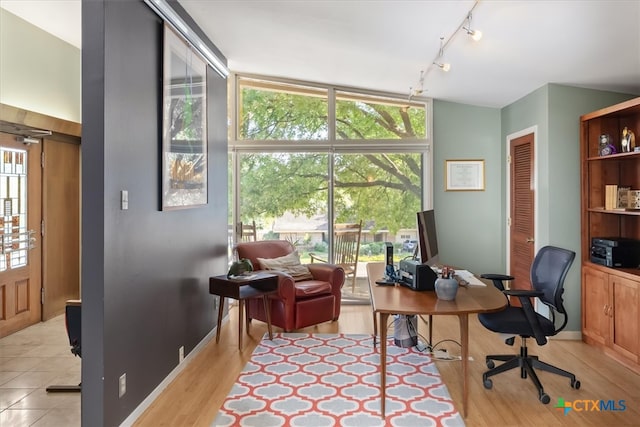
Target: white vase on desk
(446, 289)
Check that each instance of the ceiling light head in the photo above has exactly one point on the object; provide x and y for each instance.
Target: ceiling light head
(445, 66)
(474, 34)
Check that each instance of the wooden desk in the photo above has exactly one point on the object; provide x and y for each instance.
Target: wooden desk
(261, 285)
(387, 300)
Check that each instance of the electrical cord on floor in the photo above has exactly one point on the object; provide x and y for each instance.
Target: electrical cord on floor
(425, 346)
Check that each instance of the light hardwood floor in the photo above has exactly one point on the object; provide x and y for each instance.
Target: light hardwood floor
(194, 397)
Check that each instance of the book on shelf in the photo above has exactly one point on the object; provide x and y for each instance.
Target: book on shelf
(610, 197)
(623, 197)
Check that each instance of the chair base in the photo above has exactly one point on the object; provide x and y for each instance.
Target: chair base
(527, 364)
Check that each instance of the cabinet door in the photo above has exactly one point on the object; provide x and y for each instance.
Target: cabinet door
(595, 304)
(624, 333)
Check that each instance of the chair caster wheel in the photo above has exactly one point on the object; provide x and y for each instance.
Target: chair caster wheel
(575, 384)
(488, 384)
(544, 398)
(490, 364)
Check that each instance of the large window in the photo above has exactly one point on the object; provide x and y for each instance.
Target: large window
(306, 157)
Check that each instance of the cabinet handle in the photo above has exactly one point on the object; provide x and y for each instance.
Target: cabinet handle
(604, 310)
(610, 311)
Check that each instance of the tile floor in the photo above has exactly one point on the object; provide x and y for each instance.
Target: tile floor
(30, 361)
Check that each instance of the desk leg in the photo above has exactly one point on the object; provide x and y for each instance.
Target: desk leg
(375, 329)
(267, 312)
(240, 314)
(220, 310)
(384, 317)
(247, 319)
(464, 339)
(430, 332)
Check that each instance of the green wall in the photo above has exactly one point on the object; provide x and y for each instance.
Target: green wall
(470, 223)
(38, 72)
(555, 110)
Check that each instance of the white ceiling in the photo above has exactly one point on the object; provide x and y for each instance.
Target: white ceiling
(384, 45)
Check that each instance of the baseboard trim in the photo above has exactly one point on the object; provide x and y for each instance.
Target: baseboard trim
(568, 335)
(146, 403)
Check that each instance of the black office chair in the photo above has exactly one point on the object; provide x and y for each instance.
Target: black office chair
(72, 318)
(548, 271)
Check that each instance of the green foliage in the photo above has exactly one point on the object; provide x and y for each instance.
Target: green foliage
(320, 247)
(270, 115)
(363, 120)
(270, 235)
(373, 248)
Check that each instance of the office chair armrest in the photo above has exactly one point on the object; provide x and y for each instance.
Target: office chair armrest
(497, 279)
(524, 296)
(523, 293)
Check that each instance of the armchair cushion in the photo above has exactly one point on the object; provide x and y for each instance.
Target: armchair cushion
(289, 264)
(311, 288)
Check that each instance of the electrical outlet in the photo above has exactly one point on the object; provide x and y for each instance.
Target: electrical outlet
(122, 385)
(181, 354)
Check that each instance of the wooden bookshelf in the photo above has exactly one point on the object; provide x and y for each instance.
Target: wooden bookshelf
(610, 296)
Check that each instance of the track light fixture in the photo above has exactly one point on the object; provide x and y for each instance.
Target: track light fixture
(445, 66)
(438, 60)
(475, 34)
(420, 89)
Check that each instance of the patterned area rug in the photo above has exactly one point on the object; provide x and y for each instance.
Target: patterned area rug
(334, 380)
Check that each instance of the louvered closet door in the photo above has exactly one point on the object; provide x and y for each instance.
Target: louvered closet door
(522, 211)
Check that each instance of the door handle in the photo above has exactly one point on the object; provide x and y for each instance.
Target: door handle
(530, 240)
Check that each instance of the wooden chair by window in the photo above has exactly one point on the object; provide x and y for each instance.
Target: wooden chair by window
(346, 245)
(248, 232)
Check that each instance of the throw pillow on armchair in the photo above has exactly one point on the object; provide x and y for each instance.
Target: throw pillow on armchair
(289, 264)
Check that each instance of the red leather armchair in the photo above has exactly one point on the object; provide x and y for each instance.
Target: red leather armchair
(297, 304)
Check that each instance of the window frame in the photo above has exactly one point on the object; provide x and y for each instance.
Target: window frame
(331, 145)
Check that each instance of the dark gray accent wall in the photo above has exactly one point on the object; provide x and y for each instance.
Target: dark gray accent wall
(144, 271)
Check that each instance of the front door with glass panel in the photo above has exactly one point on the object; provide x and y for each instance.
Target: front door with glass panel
(20, 252)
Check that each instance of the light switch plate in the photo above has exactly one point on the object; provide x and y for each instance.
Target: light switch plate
(124, 200)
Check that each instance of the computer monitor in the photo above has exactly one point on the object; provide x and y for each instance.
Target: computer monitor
(427, 237)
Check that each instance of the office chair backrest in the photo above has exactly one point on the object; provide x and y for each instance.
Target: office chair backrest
(548, 271)
(73, 319)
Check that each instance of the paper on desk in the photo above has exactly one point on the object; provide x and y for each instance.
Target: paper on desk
(469, 278)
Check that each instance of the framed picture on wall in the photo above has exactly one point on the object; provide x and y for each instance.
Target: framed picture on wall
(464, 175)
(184, 124)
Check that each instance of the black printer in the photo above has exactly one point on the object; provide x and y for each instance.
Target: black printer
(417, 276)
(615, 252)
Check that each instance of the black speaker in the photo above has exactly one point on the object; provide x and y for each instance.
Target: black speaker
(389, 253)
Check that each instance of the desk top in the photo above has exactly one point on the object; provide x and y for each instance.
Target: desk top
(402, 300)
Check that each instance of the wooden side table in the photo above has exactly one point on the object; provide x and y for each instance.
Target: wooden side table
(255, 285)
